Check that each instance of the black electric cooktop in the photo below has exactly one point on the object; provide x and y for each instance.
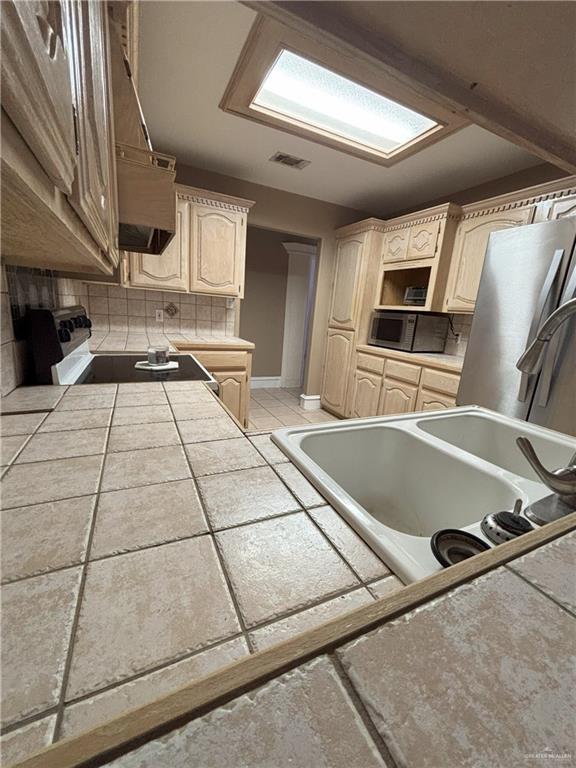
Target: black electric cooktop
(112, 369)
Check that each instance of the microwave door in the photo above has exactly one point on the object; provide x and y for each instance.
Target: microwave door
(388, 331)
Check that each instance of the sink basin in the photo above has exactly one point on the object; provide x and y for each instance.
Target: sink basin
(399, 479)
(493, 440)
(394, 475)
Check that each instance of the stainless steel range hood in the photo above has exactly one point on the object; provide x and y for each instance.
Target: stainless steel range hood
(146, 192)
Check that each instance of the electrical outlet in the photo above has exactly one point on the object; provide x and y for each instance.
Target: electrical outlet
(159, 315)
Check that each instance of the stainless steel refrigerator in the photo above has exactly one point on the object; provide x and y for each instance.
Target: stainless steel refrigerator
(528, 272)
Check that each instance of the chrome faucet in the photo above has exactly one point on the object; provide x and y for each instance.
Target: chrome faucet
(531, 359)
(561, 481)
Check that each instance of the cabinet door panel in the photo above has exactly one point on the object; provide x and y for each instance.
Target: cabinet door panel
(346, 289)
(469, 251)
(396, 245)
(218, 250)
(397, 397)
(94, 189)
(423, 239)
(563, 208)
(36, 84)
(232, 391)
(433, 401)
(170, 269)
(366, 394)
(339, 348)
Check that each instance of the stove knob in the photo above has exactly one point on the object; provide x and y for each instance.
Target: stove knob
(77, 321)
(87, 322)
(69, 325)
(64, 335)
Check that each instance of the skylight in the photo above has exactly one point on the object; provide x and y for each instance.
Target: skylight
(296, 89)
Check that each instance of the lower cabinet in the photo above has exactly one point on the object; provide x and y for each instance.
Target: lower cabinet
(428, 400)
(397, 397)
(366, 394)
(388, 386)
(339, 350)
(233, 391)
(232, 370)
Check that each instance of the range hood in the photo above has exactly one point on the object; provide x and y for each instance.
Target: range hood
(146, 192)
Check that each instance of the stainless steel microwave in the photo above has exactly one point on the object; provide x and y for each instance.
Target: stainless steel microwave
(409, 331)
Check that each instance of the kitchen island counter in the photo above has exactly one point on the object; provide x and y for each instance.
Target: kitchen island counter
(152, 542)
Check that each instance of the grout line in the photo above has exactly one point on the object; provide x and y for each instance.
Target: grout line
(315, 524)
(83, 578)
(362, 711)
(219, 554)
(314, 604)
(510, 567)
(28, 720)
(207, 532)
(151, 670)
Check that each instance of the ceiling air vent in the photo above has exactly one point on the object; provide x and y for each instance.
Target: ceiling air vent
(290, 160)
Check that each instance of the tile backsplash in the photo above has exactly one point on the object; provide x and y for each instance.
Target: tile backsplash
(111, 308)
(462, 325)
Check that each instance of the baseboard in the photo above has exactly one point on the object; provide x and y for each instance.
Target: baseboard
(290, 383)
(264, 382)
(310, 402)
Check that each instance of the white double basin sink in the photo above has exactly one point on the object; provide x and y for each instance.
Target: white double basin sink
(399, 479)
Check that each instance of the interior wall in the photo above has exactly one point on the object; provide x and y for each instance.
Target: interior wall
(299, 289)
(262, 309)
(297, 215)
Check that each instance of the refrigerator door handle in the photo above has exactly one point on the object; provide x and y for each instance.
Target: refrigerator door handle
(553, 346)
(537, 318)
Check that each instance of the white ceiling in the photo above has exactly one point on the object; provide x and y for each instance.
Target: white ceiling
(188, 51)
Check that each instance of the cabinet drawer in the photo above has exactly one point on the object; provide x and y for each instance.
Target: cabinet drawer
(441, 381)
(224, 361)
(433, 401)
(423, 238)
(409, 372)
(370, 363)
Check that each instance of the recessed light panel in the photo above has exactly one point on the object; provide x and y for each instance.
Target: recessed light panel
(297, 89)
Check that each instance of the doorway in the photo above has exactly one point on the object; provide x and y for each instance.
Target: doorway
(276, 311)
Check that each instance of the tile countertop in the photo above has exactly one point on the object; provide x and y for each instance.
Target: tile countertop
(147, 542)
(482, 677)
(433, 359)
(124, 341)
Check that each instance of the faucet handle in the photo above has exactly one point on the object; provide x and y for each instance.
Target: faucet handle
(562, 481)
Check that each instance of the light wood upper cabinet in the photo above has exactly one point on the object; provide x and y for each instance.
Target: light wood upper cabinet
(366, 394)
(469, 252)
(346, 291)
(218, 247)
(563, 208)
(339, 349)
(397, 397)
(423, 239)
(171, 269)
(94, 194)
(36, 84)
(396, 245)
(207, 253)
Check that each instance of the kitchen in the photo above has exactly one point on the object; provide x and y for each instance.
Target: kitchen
(171, 561)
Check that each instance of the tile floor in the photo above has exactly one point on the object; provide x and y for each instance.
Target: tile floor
(279, 407)
(159, 546)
